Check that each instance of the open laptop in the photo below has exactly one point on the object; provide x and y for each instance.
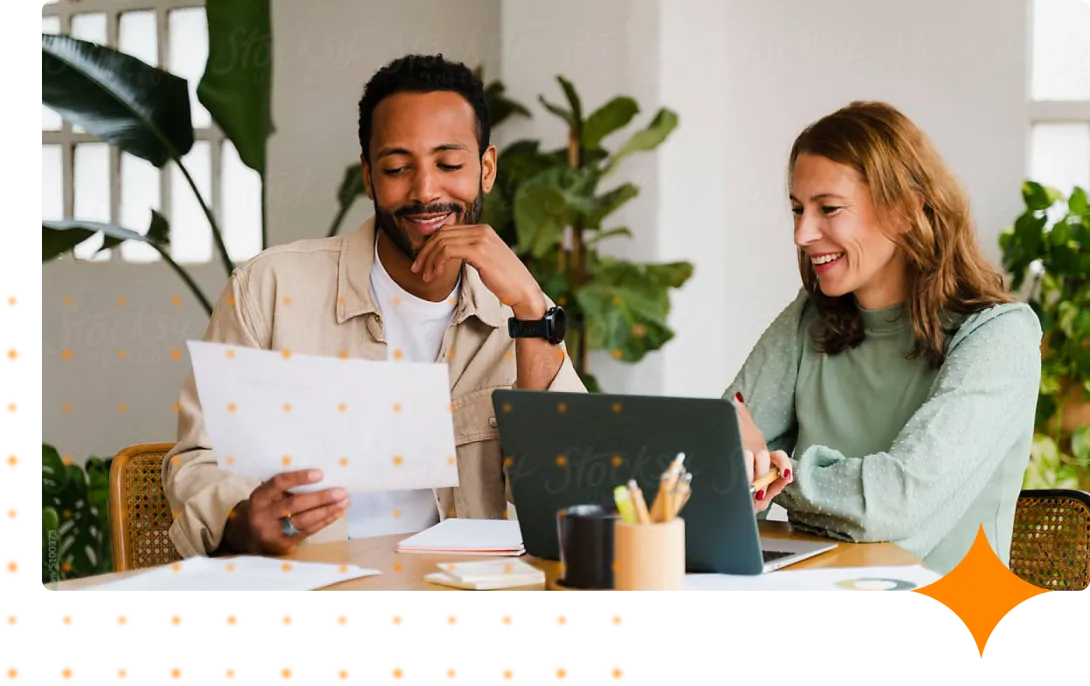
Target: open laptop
(565, 449)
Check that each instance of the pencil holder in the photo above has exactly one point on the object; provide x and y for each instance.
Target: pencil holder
(649, 557)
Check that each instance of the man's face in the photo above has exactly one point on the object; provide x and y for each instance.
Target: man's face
(425, 172)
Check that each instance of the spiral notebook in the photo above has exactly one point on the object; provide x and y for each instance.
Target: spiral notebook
(491, 537)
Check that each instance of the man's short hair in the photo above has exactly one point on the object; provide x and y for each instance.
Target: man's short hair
(423, 74)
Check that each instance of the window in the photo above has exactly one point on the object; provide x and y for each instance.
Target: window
(1060, 94)
(84, 178)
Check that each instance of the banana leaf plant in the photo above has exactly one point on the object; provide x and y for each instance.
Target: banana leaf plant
(550, 206)
(145, 111)
(75, 524)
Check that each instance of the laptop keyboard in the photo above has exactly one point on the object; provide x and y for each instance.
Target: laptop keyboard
(773, 555)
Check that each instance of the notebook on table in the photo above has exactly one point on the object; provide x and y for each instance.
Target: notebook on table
(489, 537)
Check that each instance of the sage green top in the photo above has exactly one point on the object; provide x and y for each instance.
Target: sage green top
(889, 449)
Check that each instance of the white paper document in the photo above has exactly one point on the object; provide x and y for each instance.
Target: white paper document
(904, 578)
(368, 425)
(243, 573)
(497, 537)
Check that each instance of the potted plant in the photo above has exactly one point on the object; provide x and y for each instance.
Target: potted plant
(75, 524)
(1048, 251)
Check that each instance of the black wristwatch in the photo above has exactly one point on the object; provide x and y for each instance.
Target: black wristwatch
(550, 327)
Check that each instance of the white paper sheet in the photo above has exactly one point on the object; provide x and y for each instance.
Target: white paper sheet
(243, 573)
(368, 425)
(832, 579)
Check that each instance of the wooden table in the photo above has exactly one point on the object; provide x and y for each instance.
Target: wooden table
(405, 571)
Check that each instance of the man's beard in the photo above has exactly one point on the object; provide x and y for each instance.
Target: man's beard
(387, 221)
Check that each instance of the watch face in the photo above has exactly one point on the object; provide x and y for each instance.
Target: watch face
(559, 324)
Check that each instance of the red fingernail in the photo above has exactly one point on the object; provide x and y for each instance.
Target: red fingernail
(761, 494)
(787, 473)
(739, 397)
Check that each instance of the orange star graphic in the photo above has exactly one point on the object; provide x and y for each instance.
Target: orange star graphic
(981, 590)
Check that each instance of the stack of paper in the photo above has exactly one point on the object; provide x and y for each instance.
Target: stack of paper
(487, 575)
(244, 573)
(492, 537)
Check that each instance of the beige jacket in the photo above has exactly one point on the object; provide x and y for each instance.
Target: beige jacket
(314, 297)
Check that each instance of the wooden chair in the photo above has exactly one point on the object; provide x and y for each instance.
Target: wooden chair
(1050, 547)
(140, 515)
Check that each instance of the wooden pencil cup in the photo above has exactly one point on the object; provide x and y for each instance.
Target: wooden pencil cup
(649, 557)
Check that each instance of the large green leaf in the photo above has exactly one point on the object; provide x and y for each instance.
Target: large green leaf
(58, 237)
(351, 186)
(559, 111)
(237, 84)
(608, 118)
(573, 100)
(602, 235)
(608, 203)
(540, 217)
(1080, 445)
(125, 102)
(626, 306)
(54, 474)
(650, 138)
(1077, 204)
(1038, 197)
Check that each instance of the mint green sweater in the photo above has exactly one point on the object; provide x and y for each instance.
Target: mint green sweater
(889, 449)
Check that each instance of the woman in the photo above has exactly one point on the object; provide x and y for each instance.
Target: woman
(902, 381)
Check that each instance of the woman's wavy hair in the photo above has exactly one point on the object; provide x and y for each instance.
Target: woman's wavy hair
(922, 208)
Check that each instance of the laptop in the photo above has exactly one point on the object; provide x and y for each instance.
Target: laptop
(563, 449)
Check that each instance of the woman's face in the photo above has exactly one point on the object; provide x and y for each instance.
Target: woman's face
(838, 229)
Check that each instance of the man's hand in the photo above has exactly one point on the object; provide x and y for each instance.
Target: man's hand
(502, 272)
(254, 524)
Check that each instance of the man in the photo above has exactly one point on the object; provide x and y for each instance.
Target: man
(421, 281)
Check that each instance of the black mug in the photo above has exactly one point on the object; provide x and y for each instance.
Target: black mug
(586, 546)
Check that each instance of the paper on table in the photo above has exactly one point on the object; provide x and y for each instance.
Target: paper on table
(828, 579)
(368, 425)
(498, 537)
(243, 573)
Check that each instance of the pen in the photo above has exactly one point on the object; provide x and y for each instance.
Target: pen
(637, 498)
(765, 480)
(624, 505)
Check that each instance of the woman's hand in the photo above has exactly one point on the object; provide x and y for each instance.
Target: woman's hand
(753, 439)
(761, 463)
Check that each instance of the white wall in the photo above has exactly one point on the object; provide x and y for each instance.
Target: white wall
(745, 77)
(958, 69)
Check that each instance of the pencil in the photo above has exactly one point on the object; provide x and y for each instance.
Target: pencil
(765, 480)
(637, 499)
(658, 504)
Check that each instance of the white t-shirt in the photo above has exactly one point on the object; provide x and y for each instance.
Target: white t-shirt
(413, 329)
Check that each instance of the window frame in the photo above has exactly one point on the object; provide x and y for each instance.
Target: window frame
(67, 139)
(1047, 111)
